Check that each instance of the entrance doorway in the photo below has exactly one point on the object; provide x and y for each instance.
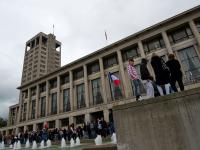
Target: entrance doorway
(95, 115)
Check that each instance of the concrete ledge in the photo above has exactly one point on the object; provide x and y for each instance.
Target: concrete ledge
(169, 122)
(102, 147)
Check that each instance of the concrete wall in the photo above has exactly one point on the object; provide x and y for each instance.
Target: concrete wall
(166, 123)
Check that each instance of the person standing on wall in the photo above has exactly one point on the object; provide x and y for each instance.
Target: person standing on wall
(162, 73)
(146, 78)
(135, 78)
(176, 73)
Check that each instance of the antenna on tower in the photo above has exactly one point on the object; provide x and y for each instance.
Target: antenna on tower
(53, 29)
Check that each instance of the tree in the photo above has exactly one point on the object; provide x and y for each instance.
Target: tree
(3, 122)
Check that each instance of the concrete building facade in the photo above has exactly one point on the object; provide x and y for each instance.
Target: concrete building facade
(81, 91)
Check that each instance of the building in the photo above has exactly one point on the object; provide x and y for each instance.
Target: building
(81, 91)
(42, 56)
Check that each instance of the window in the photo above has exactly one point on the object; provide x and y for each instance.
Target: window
(110, 61)
(96, 92)
(198, 25)
(44, 41)
(80, 96)
(153, 43)
(54, 103)
(93, 68)
(190, 62)
(43, 106)
(53, 83)
(116, 90)
(33, 109)
(51, 124)
(64, 122)
(80, 119)
(33, 91)
(64, 79)
(66, 100)
(180, 34)
(130, 52)
(78, 73)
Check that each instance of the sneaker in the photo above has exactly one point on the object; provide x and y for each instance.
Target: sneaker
(140, 98)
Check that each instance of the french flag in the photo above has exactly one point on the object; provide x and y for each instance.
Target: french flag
(115, 79)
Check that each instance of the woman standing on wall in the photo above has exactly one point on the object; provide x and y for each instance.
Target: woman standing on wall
(162, 73)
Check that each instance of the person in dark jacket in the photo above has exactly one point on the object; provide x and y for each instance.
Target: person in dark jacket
(146, 78)
(176, 73)
(162, 73)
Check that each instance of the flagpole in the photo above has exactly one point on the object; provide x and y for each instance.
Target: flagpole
(106, 36)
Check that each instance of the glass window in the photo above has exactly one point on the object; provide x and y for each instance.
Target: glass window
(198, 25)
(77, 74)
(153, 44)
(116, 90)
(190, 62)
(43, 106)
(33, 109)
(51, 124)
(93, 68)
(64, 79)
(42, 87)
(80, 119)
(130, 52)
(66, 100)
(96, 91)
(110, 61)
(80, 96)
(33, 91)
(180, 34)
(54, 103)
(53, 83)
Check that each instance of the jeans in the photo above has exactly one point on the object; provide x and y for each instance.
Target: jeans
(136, 84)
(149, 88)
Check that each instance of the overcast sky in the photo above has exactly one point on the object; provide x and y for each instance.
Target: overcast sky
(79, 25)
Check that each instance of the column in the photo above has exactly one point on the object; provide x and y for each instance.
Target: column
(106, 115)
(6, 132)
(87, 118)
(86, 86)
(34, 127)
(28, 105)
(57, 121)
(71, 120)
(121, 69)
(58, 94)
(167, 43)
(195, 31)
(37, 102)
(47, 98)
(20, 104)
(25, 128)
(103, 83)
(71, 90)
(141, 49)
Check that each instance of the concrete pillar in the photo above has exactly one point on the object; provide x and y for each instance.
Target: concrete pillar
(57, 122)
(141, 49)
(121, 69)
(71, 90)
(195, 31)
(25, 128)
(34, 127)
(20, 104)
(103, 82)
(87, 118)
(87, 100)
(6, 132)
(71, 120)
(167, 43)
(47, 98)
(37, 102)
(58, 94)
(28, 110)
(106, 115)
(17, 130)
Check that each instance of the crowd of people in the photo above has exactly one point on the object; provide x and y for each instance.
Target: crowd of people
(85, 131)
(166, 76)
